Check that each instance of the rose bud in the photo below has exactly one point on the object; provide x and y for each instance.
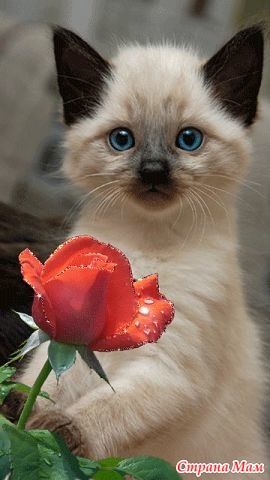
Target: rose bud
(85, 295)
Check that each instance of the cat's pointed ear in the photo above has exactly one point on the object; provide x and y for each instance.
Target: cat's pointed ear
(81, 74)
(235, 73)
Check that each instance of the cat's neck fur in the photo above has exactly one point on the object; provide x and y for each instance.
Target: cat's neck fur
(175, 231)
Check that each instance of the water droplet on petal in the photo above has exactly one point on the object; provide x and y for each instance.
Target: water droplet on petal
(144, 310)
(137, 323)
(146, 330)
(149, 301)
(155, 323)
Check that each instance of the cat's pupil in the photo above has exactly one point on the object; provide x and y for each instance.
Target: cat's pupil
(122, 138)
(189, 137)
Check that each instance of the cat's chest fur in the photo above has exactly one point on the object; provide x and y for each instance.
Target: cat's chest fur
(145, 257)
(185, 265)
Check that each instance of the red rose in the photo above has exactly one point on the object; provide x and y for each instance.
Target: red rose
(85, 295)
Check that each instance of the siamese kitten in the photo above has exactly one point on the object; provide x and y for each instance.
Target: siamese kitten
(159, 140)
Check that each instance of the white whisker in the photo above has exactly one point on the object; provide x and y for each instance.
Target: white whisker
(89, 175)
(217, 202)
(179, 214)
(103, 201)
(197, 199)
(110, 202)
(233, 195)
(123, 206)
(204, 203)
(192, 225)
(194, 210)
(245, 183)
(86, 198)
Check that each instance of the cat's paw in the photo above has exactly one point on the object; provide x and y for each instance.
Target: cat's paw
(65, 426)
(13, 405)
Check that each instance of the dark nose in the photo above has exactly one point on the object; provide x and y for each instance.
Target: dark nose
(154, 172)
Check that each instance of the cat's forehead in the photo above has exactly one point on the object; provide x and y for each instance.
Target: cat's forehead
(154, 78)
(158, 57)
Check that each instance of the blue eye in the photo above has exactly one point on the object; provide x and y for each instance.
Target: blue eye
(121, 139)
(189, 139)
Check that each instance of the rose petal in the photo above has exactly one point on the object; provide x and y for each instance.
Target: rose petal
(79, 296)
(43, 314)
(70, 253)
(122, 302)
(88, 260)
(147, 327)
(31, 269)
(148, 286)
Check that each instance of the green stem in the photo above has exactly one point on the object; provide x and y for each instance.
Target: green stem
(44, 373)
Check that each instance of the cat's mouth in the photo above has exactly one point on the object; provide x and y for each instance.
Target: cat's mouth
(156, 192)
(153, 189)
(152, 196)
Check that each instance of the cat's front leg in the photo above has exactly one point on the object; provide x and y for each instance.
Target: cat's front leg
(149, 397)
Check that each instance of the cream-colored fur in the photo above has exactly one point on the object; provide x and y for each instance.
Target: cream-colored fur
(198, 393)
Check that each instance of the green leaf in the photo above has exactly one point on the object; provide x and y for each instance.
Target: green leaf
(5, 465)
(21, 387)
(24, 455)
(89, 467)
(4, 391)
(91, 360)
(6, 372)
(108, 475)
(4, 421)
(56, 461)
(7, 387)
(147, 468)
(27, 319)
(45, 437)
(56, 466)
(104, 469)
(37, 338)
(38, 455)
(61, 357)
(110, 462)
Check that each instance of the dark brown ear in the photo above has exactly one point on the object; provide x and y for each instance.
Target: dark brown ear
(81, 74)
(235, 73)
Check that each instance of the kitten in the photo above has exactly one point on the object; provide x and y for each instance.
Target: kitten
(159, 140)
